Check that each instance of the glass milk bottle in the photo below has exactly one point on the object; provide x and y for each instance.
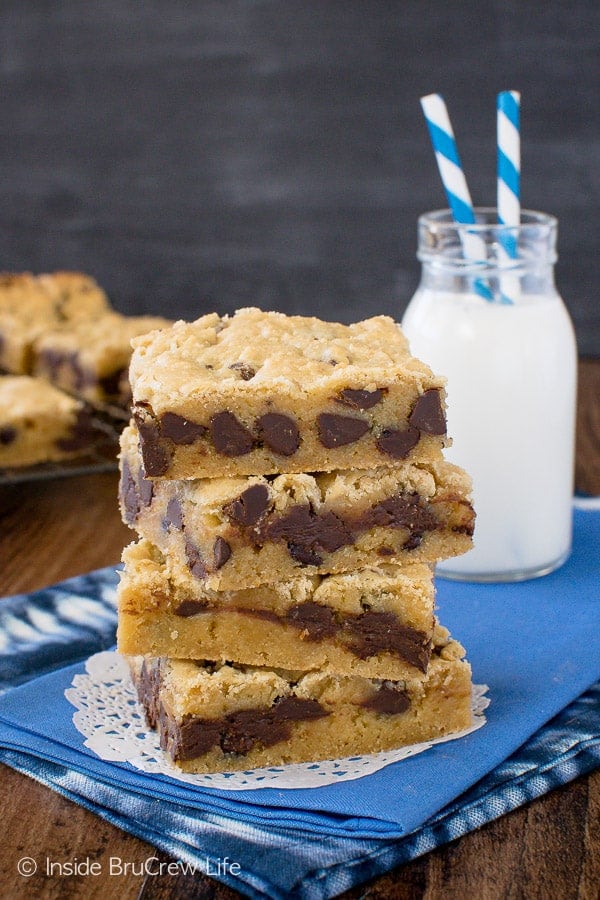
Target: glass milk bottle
(501, 334)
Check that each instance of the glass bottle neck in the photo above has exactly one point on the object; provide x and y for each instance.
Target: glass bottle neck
(488, 257)
(440, 275)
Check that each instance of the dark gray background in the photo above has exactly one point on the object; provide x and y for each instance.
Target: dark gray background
(207, 155)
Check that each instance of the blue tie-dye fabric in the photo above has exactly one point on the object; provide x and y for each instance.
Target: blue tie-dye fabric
(534, 644)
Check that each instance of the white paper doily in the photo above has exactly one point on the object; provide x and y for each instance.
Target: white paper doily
(112, 721)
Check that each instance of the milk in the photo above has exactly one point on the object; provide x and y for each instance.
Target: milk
(511, 373)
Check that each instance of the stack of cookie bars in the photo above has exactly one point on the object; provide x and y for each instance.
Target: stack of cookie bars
(286, 479)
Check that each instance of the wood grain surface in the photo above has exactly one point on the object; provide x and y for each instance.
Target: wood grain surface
(547, 850)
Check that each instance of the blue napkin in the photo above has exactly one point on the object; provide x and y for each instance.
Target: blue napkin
(536, 644)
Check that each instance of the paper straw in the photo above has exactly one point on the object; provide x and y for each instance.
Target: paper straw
(453, 180)
(508, 181)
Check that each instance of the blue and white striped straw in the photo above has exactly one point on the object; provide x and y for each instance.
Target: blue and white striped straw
(508, 181)
(453, 180)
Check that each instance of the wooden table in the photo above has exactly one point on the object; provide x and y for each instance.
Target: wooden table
(547, 849)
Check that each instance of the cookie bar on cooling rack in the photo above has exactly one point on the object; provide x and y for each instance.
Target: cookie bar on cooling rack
(30, 305)
(39, 423)
(91, 359)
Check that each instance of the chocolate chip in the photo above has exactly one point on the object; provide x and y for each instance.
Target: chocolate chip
(335, 431)
(57, 362)
(249, 506)
(316, 620)
(360, 399)
(428, 413)
(401, 511)
(135, 492)
(154, 455)
(398, 443)
(189, 608)
(180, 430)
(145, 489)
(82, 432)
(389, 700)
(376, 632)
(307, 556)
(129, 494)
(221, 552)
(191, 738)
(243, 730)
(297, 709)
(246, 372)
(229, 436)
(112, 385)
(173, 515)
(8, 435)
(308, 533)
(413, 542)
(194, 559)
(280, 433)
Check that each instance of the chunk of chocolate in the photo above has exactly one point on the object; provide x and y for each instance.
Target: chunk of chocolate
(249, 506)
(396, 443)
(188, 608)
(8, 435)
(229, 436)
(112, 384)
(154, 454)
(315, 620)
(148, 688)
(221, 552)
(82, 432)
(360, 399)
(401, 511)
(413, 542)
(246, 371)
(192, 738)
(280, 433)
(428, 413)
(173, 515)
(389, 700)
(194, 559)
(336, 431)
(241, 731)
(129, 494)
(135, 491)
(180, 430)
(57, 362)
(145, 489)
(375, 632)
(307, 533)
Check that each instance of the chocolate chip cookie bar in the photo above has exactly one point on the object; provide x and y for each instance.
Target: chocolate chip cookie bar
(38, 423)
(260, 393)
(31, 305)
(75, 295)
(376, 622)
(91, 359)
(214, 717)
(240, 532)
